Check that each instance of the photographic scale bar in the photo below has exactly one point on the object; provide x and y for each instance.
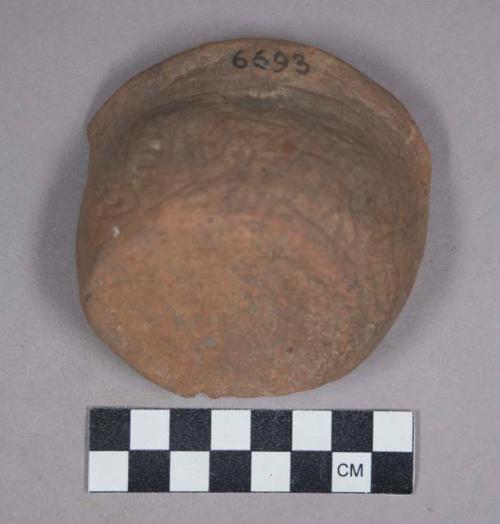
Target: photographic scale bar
(250, 450)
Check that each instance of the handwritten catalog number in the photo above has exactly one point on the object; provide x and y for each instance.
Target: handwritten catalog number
(276, 63)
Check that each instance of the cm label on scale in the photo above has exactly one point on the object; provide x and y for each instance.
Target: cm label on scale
(351, 472)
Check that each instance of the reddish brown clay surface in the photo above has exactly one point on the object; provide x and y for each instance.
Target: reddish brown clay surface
(254, 218)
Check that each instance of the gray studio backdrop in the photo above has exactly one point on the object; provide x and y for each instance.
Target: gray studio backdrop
(59, 60)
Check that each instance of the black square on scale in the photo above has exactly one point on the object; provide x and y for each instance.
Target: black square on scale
(109, 429)
(392, 472)
(271, 430)
(190, 429)
(148, 471)
(311, 472)
(352, 431)
(230, 471)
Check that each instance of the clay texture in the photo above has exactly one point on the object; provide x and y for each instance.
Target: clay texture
(254, 218)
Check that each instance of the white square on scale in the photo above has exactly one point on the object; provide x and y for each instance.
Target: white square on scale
(351, 472)
(270, 471)
(108, 471)
(149, 429)
(393, 431)
(230, 429)
(189, 470)
(311, 430)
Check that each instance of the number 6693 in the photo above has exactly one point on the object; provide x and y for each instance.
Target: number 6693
(277, 62)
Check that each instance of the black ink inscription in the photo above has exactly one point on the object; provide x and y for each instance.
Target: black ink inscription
(259, 60)
(302, 66)
(279, 62)
(239, 61)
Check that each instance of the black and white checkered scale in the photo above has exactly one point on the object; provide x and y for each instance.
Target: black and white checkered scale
(240, 450)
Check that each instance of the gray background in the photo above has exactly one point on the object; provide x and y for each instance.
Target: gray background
(59, 61)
